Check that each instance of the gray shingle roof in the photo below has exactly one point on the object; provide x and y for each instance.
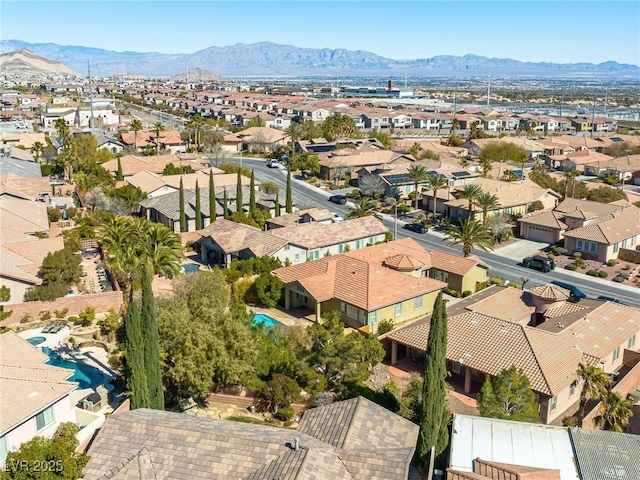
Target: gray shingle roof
(149, 444)
(606, 455)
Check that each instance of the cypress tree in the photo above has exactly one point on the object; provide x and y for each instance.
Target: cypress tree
(239, 193)
(198, 208)
(434, 415)
(183, 226)
(119, 175)
(212, 199)
(289, 200)
(252, 194)
(151, 343)
(277, 204)
(135, 371)
(225, 207)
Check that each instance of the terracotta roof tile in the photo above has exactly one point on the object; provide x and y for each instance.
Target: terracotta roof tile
(455, 264)
(550, 292)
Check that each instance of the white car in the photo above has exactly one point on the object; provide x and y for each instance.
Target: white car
(337, 218)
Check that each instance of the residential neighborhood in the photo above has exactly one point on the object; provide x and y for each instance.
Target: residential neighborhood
(274, 279)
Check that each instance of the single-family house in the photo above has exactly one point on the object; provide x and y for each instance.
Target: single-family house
(318, 215)
(169, 140)
(345, 440)
(541, 332)
(132, 164)
(35, 396)
(155, 184)
(622, 168)
(256, 139)
(576, 160)
(532, 147)
(335, 164)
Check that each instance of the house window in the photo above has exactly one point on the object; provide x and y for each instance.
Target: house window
(455, 367)
(314, 255)
(342, 248)
(373, 318)
(632, 341)
(358, 244)
(592, 247)
(297, 257)
(554, 403)
(616, 354)
(417, 303)
(44, 418)
(572, 389)
(352, 312)
(616, 247)
(343, 308)
(3, 448)
(398, 309)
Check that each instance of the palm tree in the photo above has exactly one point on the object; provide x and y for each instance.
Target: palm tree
(436, 182)
(366, 207)
(570, 175)
(196, 123)
(417, 174)
(157, 128)
(594, 384)
(471, 233)
(486, 201)
(37, 149)
(295, 131)
(471, 193)
(614, 412)
(136, 126)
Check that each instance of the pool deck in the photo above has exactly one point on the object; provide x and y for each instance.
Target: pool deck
(291, 318)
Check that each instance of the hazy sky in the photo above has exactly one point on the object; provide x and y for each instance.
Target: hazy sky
(557, 31)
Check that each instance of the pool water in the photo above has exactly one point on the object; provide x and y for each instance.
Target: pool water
(86, 376)
(190, 267)
(266, 320)
(36, 340)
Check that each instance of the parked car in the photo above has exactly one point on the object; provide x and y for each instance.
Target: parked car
(610, 299)
(339, 199)
(273, 164)
(283, 158)
(538, 262)
(576, 293)
(337, 218)
(415, 227)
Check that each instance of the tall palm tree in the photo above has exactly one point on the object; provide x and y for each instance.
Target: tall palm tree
(136, 126)
(487, 201)
(614, 412)
(295, 131)
(570, 176)
(417, 174)
(37, 149)
(366, 207)
(471, 193)
(436, 182)
(196, 123)
(471, 233)
(157, 128)
(594, 384)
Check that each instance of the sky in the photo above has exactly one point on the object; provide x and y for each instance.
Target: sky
(558, 31)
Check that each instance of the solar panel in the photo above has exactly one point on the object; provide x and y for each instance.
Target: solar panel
(461, 174)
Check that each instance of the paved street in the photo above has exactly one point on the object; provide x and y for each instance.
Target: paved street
(305, 195)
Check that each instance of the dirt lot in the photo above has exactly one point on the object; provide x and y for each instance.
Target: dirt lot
(628, 268)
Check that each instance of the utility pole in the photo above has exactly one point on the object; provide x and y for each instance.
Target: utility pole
(488, 90)
(561, 100)
(91, 121)
(593, 118)
(606, 98)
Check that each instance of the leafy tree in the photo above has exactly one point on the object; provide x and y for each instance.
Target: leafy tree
(371, 185)
(617, 149)
(256, 122)
(289, 199)
(268, 186)
(239, 193)
(543, 179)
(149, 328)
(50, 291)
(269, 289)
(471, 193)
(606, 195)
(212, 199)
(364, 208)
(508, 396)
(129, 195)
(471, 233)
(171, 169)
(279, 392)
(455, 140)
(62, 267)
(536, 206)
(198, 208)
(135, 373)
(411, 400)
(5, 293)
(252, 194)
(436, 182)
(417, 174)
(433, 410)
(307, 163)
(487, 201)
(337, 126)
(504, 152)
(614, 412)
(183, 220)
(594, 385)
(57, 452)
(158, 128)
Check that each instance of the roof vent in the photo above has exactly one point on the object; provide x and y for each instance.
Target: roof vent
(296, 443)
(560, 325)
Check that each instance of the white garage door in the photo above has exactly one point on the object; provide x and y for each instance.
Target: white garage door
(540, 234)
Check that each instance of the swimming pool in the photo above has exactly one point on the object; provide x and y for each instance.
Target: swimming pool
(85, 375)
(266, 320)
(190, 267)
(36, 340)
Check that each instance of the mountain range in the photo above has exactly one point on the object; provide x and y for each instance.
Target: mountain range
(269, 59)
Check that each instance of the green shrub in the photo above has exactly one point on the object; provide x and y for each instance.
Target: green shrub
(73, 319)
(384, 326)
(579, 262)
(496, 281)
(626, 267)
(45, 315)
(577, 255)
(561, 251)
(592, 273)
(26, 318)
(572, 267)
(466, 293)
(612, 262)
(603, 274)
(551, 255)
(285, 414)
(619, 279)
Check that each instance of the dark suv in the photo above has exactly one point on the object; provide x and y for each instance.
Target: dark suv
(415, 227)
(538, 262)
(339, 199)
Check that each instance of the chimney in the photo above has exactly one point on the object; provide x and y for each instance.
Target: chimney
(296, 443)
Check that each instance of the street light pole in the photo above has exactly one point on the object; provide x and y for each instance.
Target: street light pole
(395, 225)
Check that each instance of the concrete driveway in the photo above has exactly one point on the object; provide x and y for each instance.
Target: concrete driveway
(520, 249)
